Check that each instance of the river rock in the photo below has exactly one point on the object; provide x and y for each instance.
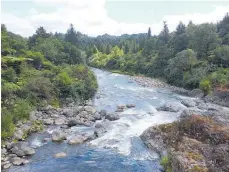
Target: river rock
(3, 151)
(170, 107)
(130, 105)
(58, 136)
(76, 140)
(68, 112)
(121, 106)
(6, 166)
(188, 103)
(72, 122)
(22, 149)
(60, 155)
(18, 162)
(32, 116)
(112, 116)
(152, 138)
(83, 114)
(89, 109)
(60, 121)
(48, 121)
(97, 116)
(18, 134)
(103, 112)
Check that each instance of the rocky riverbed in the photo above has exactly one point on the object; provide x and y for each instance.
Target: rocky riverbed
(16, 151)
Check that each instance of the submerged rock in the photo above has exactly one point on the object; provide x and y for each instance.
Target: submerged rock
(60, 155)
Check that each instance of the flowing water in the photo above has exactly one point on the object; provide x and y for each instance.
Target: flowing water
(120, 149)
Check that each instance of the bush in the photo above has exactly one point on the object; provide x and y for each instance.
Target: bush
(166, 164)
(205, 86)
(8, 127)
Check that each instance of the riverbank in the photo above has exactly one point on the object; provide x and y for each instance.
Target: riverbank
(197, 142)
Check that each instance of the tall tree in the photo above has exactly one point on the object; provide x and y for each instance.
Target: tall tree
(71, 35)
(149, 33)
(164, 35)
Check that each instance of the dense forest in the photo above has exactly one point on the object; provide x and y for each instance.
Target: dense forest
(51, 68)
(39, 71)
(192, 56)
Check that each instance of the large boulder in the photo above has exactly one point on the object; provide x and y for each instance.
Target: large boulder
(18, 134)
(89, 109)
(22, 149)
(48, 121)
(188, 103)
(73, 122)
(112, 116)
(77, 139)
(68, 112)
(58, 136)
(60, 121)
(170, 107)
(97, 116)
(103, 112)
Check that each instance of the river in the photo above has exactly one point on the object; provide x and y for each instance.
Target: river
(120, 149)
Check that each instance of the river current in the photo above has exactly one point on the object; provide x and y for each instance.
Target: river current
(120, 149)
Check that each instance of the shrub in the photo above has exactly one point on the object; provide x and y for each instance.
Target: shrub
(166, 164)
(8, 127)
(205, 86)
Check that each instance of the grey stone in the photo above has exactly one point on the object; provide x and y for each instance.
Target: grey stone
(22, 149)
(112, 116)
(68, 112)
(97, 116)
(48, 121)
(103, 112)
(18, 134)
(60, 121)
(6, 166)
(188, 103)
(196, 93)
(58, 136)
(89, 109)
(130, 105)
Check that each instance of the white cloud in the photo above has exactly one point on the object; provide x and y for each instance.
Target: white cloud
(90, 17)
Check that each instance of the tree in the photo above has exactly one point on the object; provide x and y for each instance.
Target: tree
(202, 39)
(180, 29)
(71, 35)
(223, 29)
(149, 33)
(5, 47)
(164, 35)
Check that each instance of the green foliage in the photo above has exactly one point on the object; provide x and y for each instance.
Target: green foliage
(30, 77)
(205, 86)
(166, 164)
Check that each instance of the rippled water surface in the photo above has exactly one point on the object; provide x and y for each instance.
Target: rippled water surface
(120, 149)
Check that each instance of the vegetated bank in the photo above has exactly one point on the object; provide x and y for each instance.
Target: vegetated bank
(39, 71)
(192, 57)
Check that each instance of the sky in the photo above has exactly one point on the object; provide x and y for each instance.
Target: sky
(114, 17)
